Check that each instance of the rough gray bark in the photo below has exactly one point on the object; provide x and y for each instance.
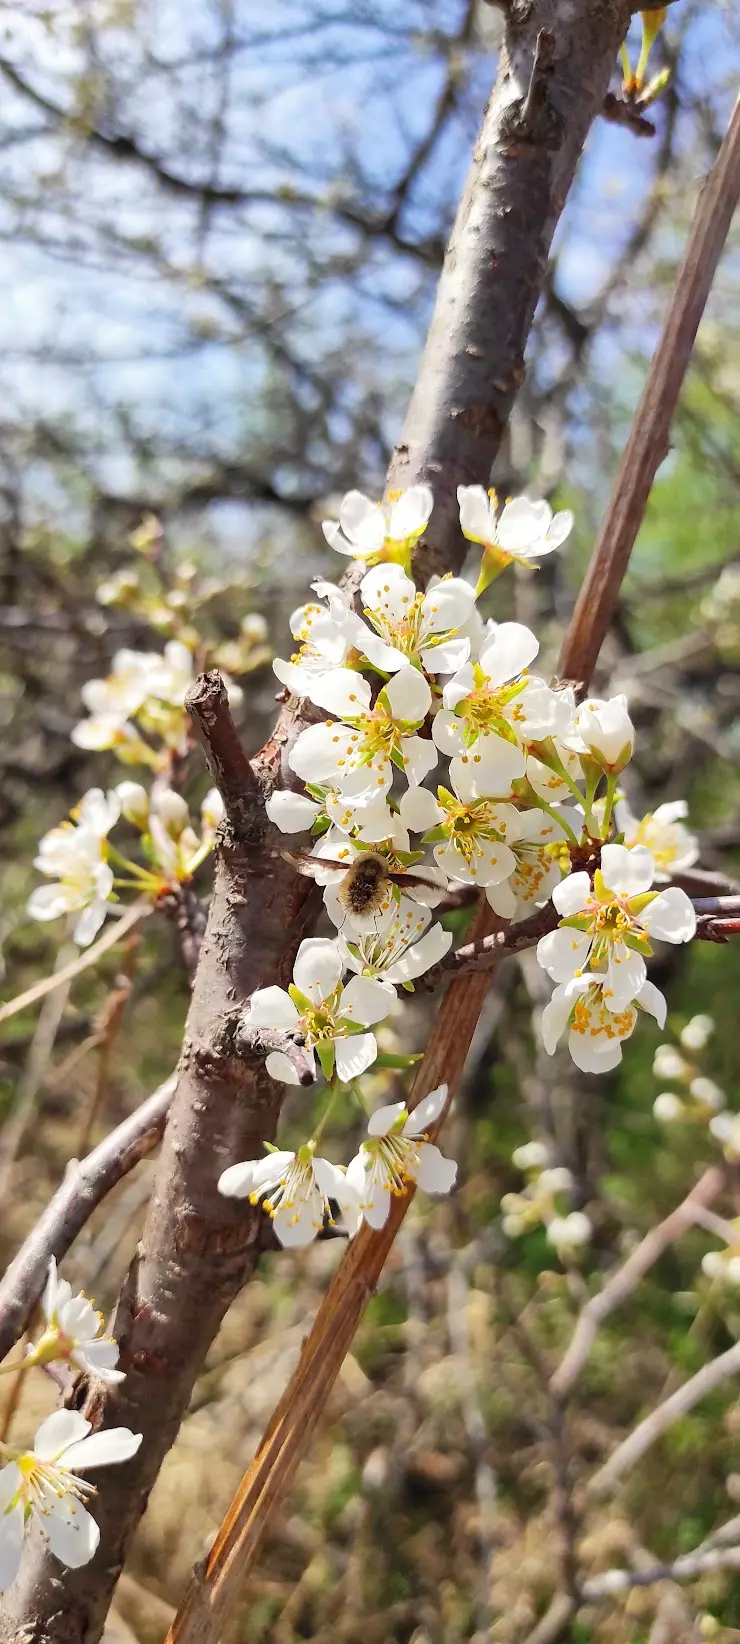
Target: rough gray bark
(198, 1249)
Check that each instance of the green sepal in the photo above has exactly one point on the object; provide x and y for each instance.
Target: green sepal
(321, 825)
(386, 1059)
(397, 759)
(300, 1000)
(351, 1028)
(325, 1053)
(435, 834)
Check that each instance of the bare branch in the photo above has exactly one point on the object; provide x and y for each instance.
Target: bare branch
(622, 1283)
(84, 1187)
(207, 703)
(652, 1428)
(685, 1568)
(113, 934)
(648, 441)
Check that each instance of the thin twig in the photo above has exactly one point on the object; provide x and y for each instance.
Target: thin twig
(84, 1186)
(648, 441)
(652, 1428)
(626, 1279)
(39, 1056)
(112, 935)
(684, 1568)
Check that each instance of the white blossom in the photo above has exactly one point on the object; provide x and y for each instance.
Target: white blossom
(493, 709)
(374, 530)
(725, 1128)
(662, 832)
(668, 1107)
(73, 855)
(134, 802)
(321, 648)
(596, 1027)
(399, 948)
(73, 1332)
(530, 1156)
(604, 730)
(697, 1032)
(396, 1152)
(570, 1233)
(537, 871)
(356, 753)
(42, 1487)
(525, 531)
(668, 1063)
(404, 625)
(707, 1093)
(470, 835)
(611, 922)
(327, 1013)
(299, 1185)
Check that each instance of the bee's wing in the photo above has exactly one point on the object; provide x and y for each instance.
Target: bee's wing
(309, 865)
(433, 878)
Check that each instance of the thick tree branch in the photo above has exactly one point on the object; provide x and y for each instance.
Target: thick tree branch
(648, 441)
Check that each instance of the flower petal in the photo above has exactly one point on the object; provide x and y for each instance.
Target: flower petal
(278, 1066)
(426, 1112)
(652, 1000)
(562, 952)
(572, 894)
(508, 651)
(11, 1534)
(436, 1174)
(362, 522)
(292, 812)
(60, 1429)
(671, 917)
(342, 692)
(72, 1533)
(113, 1444)
(272, 1008)
(384, 1118)
(365, 1001)
(317, 968)
(354, 1055)
(409, 695)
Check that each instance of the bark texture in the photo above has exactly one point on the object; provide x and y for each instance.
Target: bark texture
(198, 1249)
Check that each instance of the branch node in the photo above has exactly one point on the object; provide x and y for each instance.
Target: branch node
(207, 703)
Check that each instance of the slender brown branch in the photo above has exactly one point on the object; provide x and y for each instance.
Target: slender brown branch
(622, 1283)
(207, 703)
(648, 441)
(84, 1187)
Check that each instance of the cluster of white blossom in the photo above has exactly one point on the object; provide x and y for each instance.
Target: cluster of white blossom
(41, 1486)
(528, 811)
(540, 1204)
(698, 1099)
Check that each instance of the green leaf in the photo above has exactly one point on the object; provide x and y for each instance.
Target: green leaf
(388, 1060)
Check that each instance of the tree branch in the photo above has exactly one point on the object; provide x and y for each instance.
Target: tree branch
(84, 1187)
(648, 441)
(622, 1283)
(657, 1423)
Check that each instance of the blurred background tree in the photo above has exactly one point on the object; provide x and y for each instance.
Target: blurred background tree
(222, 231)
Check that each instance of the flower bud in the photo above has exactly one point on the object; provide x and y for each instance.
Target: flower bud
(212, 811)
(668, 1063)
(172, 811)
(134, 801)
(668, 1107)
(569, 1232)
(707, 1092)
(254, 627)
(696, 1032)
(608, 732)
(532, 1156)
